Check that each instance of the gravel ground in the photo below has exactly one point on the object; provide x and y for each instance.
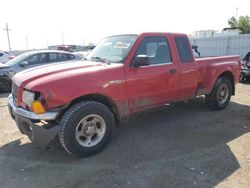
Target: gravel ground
(186, 145)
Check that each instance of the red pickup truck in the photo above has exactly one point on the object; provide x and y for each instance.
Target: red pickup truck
(82, 102)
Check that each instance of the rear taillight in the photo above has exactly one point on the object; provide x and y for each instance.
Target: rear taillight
(11, 57)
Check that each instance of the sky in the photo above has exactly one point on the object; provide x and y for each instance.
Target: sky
(54, 22)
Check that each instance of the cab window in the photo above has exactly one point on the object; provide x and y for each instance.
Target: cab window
(156, 49)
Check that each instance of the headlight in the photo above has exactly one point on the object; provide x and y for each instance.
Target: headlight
(28, 97)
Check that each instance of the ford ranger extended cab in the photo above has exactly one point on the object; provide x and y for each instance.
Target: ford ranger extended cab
(82, 102)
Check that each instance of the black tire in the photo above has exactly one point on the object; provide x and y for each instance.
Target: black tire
(70, 121)
(213, 100)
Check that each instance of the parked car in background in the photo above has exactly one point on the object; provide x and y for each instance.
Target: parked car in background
(5, 56)
(29, 60)
(72, 48)
(245, 68)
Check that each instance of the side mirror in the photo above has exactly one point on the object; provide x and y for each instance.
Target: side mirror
(23, 64)
(141, 60)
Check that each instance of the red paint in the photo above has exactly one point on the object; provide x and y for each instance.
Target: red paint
(137, 89)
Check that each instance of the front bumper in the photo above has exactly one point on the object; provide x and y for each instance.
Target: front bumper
(30, 115)
(28, 123)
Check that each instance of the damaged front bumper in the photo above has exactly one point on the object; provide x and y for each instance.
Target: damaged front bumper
(37, 127)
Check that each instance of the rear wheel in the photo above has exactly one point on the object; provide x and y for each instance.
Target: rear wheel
(220, 96)
(86, 128)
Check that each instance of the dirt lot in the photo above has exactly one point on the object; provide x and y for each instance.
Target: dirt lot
(186, 145)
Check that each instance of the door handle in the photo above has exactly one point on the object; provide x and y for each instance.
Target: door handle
(172, 71)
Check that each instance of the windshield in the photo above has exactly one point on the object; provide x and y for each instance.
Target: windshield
(113, 49)
(17, 59)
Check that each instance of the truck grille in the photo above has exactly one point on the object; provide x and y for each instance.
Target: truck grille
(14, 91)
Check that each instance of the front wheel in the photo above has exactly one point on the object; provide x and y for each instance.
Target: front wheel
(221, 94)
(86, 128)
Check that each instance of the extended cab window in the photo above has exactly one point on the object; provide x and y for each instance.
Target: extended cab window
(184, 50)
(156, 48)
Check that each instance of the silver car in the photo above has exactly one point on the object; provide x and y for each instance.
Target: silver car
(29, 60)
(5, 56)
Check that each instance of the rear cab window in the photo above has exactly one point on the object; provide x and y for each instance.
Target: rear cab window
(184, 50)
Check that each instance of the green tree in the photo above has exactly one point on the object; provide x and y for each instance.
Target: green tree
(232, 22)
(243, 22)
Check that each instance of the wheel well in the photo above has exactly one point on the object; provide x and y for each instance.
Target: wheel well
(230, 76)
(101, 99)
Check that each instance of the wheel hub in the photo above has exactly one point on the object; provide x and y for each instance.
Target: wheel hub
(89, 129)
(223, 94)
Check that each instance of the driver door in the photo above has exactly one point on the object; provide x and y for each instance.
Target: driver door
(155, 83)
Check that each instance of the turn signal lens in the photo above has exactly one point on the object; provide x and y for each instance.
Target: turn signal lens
(38, 107)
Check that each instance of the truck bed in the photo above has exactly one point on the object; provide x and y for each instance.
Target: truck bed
(210, 67)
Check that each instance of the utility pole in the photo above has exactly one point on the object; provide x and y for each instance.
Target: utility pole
(236, 16)
(8, 30)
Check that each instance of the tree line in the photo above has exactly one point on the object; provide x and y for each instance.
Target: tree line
(243, 22)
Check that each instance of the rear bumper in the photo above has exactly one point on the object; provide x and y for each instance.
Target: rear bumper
(28, 124)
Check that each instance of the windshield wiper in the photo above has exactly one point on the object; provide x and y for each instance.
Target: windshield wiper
(101, 59)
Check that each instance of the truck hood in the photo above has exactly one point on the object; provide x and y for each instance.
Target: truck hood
(52, 72)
